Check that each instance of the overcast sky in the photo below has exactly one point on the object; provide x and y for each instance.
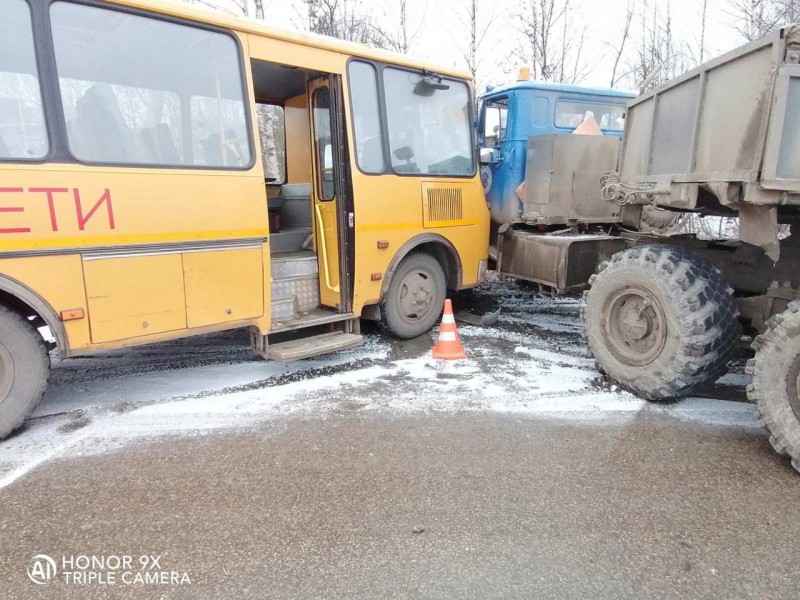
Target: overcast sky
(442, 31)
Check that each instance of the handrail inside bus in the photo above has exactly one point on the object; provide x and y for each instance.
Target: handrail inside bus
(324, 246)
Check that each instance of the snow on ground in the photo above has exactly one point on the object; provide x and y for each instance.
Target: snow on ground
(532, 362)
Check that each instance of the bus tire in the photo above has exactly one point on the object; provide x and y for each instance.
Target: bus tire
(24, 369)
(415, 297)
(775, 388)
(660, 321)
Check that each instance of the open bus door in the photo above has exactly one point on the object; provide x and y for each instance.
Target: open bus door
(331, 217)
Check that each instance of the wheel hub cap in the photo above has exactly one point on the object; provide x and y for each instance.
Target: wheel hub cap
(636, 326)
(416, 296)
(6, 372)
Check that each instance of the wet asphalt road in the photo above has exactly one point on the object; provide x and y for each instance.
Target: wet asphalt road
(337, 493)
(511, 508)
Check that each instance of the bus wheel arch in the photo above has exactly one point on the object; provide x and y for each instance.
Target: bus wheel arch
(437, 246)
(416, 286)
(19, 299)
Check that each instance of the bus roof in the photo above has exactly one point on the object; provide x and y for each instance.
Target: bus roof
(559, 87)
(256, 27)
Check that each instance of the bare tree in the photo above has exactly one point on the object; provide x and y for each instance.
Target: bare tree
(259, 6)
(399, 38)
(658, 56)
(703, 21)
(550, 43)
(477, 23)
(756, 18)
(343, 19)
(619, 50)
(243, 8)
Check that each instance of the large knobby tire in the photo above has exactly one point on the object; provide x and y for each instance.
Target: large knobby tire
(415, 297)
(775, 388)
(660, 321)
(658, 218)
(24, 368)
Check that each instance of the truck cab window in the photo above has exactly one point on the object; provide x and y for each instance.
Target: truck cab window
(495, 120)
(608, 116)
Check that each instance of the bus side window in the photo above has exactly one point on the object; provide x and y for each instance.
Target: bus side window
(127, 82)
(323, 136)
(22, 128)
(363, 82)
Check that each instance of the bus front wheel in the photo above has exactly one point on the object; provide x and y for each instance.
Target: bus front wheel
(24, 368)
(415, 297)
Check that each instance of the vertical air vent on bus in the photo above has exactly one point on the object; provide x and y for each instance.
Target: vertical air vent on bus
(443, 205)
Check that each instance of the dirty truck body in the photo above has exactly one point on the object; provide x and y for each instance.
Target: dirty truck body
(664, 312)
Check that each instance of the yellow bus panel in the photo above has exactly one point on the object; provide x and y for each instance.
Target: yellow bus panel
(223, 286)
(135, 296)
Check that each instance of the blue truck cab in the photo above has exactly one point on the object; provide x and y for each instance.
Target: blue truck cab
(510, 114)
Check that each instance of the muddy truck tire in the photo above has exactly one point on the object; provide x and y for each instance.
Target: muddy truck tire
(660, 321)
(775, 388)
(24, 368)
(658, 218)
(415, 297)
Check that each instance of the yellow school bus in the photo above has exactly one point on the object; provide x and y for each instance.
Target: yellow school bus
(167, 171)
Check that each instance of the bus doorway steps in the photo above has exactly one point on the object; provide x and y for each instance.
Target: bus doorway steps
(295, 284)
(317, 332)
(314, 346)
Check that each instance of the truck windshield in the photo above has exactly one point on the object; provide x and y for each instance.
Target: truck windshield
(428, 133)
(608, 116)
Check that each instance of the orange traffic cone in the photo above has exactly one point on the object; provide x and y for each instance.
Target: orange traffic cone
(588, 126)
(448, 346)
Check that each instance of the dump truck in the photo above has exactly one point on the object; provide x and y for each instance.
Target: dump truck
(664, 312)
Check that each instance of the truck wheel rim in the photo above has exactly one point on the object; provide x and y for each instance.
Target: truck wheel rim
(415, 296)
(635, 326)
(6, 372)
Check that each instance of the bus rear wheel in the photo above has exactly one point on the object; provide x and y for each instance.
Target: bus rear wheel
(415, 297)
(24, 368)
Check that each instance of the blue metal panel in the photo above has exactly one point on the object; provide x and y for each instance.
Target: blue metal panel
(531, 112)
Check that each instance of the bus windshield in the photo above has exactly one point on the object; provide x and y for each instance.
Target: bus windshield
(428, 133)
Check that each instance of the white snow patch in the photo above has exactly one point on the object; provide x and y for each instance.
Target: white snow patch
(46, 334)
(720, 413)
(734, 380)
(524, 371)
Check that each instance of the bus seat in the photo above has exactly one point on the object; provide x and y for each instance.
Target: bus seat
(158, 143)
(296, 211)
(100, 132)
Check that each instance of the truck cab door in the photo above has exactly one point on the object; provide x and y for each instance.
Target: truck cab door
(494, 128)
